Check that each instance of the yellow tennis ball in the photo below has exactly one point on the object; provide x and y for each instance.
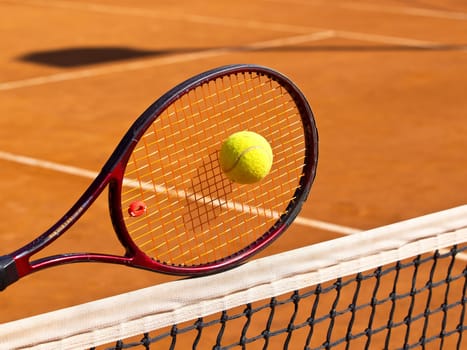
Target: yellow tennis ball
(246, 157)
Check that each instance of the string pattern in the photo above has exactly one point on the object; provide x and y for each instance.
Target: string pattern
(195, 215)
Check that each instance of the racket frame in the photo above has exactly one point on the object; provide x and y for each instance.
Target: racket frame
(18, 264)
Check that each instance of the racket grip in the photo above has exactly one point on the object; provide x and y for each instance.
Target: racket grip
(8, 271)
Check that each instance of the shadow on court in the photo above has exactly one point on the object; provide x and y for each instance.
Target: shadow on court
(83, 56)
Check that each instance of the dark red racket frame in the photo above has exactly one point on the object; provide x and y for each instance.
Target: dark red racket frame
(17, 264)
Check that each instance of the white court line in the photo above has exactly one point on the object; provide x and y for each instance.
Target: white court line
(411, 11)
(108, 69)
(165, 15)
(385, 39)
(75, 171)
(220, 21)
(398, 10)
(147, 63)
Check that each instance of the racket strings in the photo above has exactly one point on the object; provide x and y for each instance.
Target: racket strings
(195, 215)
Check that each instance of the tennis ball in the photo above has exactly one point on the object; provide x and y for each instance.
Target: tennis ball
(245, 157)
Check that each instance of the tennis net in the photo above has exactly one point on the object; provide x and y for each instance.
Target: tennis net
(401, 286)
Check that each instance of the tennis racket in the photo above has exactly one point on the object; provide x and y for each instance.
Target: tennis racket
(172, 208)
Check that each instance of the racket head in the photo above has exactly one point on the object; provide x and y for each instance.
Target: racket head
(196, 221)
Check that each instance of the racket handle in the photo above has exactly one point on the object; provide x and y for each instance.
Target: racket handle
(8, 271)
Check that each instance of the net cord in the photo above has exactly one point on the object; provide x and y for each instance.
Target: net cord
(95, 323)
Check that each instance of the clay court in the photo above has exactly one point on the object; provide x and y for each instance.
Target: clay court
(386, 81)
